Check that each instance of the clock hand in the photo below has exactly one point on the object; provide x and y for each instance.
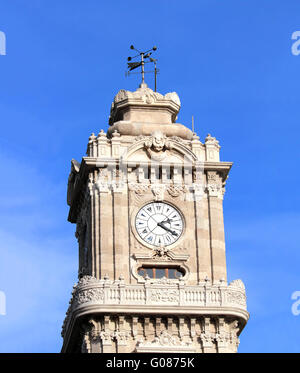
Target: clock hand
(167, 229)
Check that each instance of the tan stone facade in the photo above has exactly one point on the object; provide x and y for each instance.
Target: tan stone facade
(147, 157)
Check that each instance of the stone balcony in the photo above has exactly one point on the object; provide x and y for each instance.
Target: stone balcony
(156, 296)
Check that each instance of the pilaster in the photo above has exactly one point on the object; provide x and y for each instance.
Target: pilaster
(216, 224)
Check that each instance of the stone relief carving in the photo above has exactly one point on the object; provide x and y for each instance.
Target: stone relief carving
(86, 280)
(102, 182)
(177, 190)
(146, 95)
(215, 186)
(90, 295)
(163, 340)
(138, 192)
(166, 295)
(156, 146)
(121, 337)
(139, 188)
(106, 337)
(237, 298)
(222, 339)
(212, 177)
(161, 254)
(158, 191)
(214, 190)
(206, 339)
(158, 142)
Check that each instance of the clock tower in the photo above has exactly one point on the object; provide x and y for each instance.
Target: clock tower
(147, 201)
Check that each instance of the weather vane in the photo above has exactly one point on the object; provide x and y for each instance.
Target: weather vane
(144, 56)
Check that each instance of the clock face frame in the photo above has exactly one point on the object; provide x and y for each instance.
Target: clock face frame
(159, 224)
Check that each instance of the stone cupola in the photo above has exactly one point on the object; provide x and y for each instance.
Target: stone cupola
(144, 111)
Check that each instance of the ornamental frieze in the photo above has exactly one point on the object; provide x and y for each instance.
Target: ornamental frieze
(164, 295)
(90, 295)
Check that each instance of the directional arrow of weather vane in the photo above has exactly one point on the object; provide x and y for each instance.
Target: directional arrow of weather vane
(133, 65)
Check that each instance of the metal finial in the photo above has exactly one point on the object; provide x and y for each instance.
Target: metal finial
(143, 56)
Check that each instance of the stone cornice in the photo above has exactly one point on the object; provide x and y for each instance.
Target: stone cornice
(91, 163)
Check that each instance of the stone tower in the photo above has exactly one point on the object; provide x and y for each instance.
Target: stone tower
(147, 201)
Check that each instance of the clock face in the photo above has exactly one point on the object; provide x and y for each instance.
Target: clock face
(159, 224)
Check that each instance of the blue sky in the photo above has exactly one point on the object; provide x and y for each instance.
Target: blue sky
(232, 66)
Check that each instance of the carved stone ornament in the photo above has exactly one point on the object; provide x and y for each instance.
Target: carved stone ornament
(90, 295)
(177, 190)
(215, 186)
(214, 190)
(106, 337)
(161, 254)
(164, 295)
(164, 340)
(146, 95)
(209, 140)
(156, 146)
(138, 193)
(138, 188)
(222, 339)
(121, 337)
(236, 298)
(86, 280)
(158, 191)
(158, 141)
(206, 339)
